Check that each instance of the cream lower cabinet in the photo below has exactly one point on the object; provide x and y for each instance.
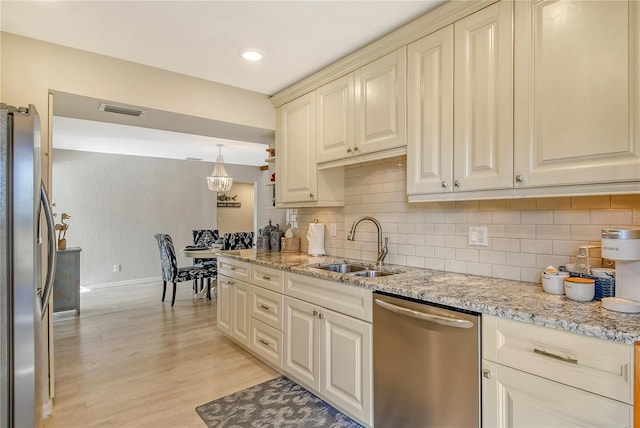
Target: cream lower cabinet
(460, 118)
(539, 377)
(577, 92)
(233, 308)
(327, 351)
(234, 293)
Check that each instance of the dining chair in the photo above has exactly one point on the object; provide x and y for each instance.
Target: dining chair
(174, 274)
(206, 237)
(238, 240)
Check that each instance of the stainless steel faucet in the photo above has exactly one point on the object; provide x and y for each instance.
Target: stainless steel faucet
(382, 251)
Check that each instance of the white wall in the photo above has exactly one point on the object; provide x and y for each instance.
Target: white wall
(117, 203)
(525, 235)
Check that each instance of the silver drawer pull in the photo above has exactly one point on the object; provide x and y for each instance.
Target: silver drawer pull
(232, 268)
(229, 282)
(264, 342)
(554, 356)
(486, 373)
(266, 278)
(265, 307)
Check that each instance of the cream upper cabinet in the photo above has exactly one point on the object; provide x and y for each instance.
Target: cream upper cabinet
(335, 119)
(296, 178)
(460, 118)
(577, 92)
(380, 95)
(299, 182)
(483, 99)
(430, 113)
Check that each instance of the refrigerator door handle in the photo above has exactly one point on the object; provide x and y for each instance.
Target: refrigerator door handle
(51, 254)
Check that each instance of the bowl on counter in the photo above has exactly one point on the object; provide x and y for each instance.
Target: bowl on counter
(580, 289)
(554, 283)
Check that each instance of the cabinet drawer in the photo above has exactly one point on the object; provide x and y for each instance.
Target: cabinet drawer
(591, 364)
(266, 306)
(269, 278)
(233, 268)
(266, 342)
(343, 298)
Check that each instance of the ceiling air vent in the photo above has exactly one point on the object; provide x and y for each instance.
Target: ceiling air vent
(121, 110)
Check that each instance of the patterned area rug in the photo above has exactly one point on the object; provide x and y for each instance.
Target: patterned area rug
(277, 403)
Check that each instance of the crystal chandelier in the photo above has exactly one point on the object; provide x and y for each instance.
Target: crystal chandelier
(219, 180)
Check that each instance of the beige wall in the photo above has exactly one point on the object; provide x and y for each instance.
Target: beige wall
(238, 219)
(29, 69)
(525, 235)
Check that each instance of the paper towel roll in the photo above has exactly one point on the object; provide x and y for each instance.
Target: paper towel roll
(315, 236)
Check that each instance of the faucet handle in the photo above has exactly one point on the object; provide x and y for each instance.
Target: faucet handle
(383, 251)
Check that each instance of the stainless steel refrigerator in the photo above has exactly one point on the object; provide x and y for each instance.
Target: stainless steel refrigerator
(23, 293)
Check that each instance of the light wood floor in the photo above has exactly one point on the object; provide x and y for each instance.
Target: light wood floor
(133, 361)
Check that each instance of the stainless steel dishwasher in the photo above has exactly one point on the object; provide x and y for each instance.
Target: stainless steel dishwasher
(426, 365)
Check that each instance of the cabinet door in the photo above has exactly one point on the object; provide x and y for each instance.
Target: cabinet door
(577, 92)
(301, 356)
(381, 103)
(335, 114)
(346, 364)
(241, 330)
(296, 178)
(483, 109)
(224, 304)
(511, 398)
(430, 113)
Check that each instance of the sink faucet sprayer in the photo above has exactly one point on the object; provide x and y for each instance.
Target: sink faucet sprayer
(382, 251)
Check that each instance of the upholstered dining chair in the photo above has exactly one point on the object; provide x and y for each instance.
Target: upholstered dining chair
(238, 240)
(205, 237)
(174, 274)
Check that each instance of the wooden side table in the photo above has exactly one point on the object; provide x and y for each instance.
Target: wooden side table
(66, 284)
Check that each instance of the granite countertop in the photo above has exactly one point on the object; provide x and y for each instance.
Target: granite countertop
(520, 301)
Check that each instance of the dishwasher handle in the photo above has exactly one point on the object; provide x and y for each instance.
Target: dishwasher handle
(450, 322)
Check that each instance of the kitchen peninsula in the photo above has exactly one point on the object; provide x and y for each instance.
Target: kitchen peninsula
(569, 349)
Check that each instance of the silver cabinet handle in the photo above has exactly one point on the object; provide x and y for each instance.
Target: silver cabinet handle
(265, 307)
(444, 184)
(356, 149)
(310, 195)
(315, 313)
(230, 282)
(264, 342)
(450, 322)
(266, 278)
(486, 373)
(554, 356)
(456, 183)
(232, 268)
(519, 178)
(348, 149)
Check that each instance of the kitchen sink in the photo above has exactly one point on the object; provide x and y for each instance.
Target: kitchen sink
(341, 267)
(372, 273)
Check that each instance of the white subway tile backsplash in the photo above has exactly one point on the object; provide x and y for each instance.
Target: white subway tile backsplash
(525, 235)
(571, 217)
(536, 246)
(553, 231)
(482, 269)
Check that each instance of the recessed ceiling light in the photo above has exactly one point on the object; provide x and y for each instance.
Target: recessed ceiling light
(251, 55)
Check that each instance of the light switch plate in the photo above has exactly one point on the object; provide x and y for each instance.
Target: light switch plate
(333, 231)
(478, 236)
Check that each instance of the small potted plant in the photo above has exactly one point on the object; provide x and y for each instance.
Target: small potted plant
(62, 231)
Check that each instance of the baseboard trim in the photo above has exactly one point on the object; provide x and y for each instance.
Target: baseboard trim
(127, 282)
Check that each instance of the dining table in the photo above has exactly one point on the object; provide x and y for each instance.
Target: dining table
(210, 252)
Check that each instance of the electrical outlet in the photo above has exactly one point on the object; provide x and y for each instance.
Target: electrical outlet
(478, 236)
(117, 268)
(334, 230)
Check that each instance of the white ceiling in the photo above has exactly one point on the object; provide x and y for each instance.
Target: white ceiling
(204, 39)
